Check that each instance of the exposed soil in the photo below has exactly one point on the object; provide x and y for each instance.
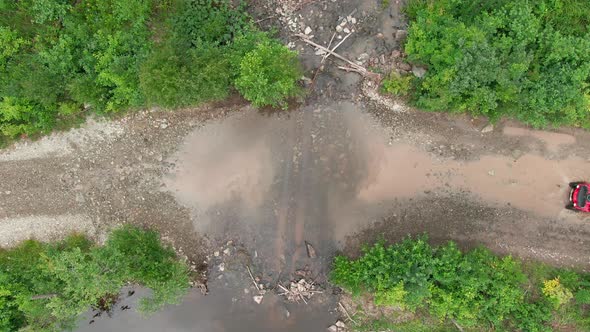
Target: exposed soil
(338, 171)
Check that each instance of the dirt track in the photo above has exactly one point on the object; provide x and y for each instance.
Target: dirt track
(335, 172)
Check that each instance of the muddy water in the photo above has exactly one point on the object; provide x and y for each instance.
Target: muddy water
(530, 182)
(320, 174)
(218, 312)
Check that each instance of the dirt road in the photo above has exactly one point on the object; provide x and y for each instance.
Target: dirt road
(334, 173)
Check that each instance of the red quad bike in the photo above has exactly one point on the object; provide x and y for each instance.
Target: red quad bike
(579, 197)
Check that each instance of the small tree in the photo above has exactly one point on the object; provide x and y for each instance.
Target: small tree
(268, 75)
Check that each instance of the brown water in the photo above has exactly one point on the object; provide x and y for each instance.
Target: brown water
(220, 311)
(531, 182)
(321, 174)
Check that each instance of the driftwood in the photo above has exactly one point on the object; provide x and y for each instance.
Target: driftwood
(353, 67)
(359, 68)
(347, 314)
(335, 47)
(253, 280)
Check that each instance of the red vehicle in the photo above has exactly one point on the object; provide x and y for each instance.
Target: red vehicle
(579, 197)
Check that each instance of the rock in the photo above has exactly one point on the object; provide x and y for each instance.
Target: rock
(307, 30)
(8, 192)
(516, 154)
(311, 253)
(227, 251)
(491, 173)
(353, 20)
(222, 267)
(488, 128)
(396, 54)
(340, 324)
(164, 125)
(401, 34)
(216, 254)
(286, 313)
(363, 57)
(404, 66)
(258, 298)
(418, 71)
(338, 28)
(346, 30)
(333, 328)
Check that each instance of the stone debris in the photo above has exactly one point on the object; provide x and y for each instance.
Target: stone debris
(487, 129)
(307, 30)
(301, 290)
(339, 326)
(258, 298)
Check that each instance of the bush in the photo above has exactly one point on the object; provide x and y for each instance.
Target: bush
(557, 294)
(58, 57)
(170, 80)
(396, 84)
(268, 75)
(474, 289)
(45, 287)
(528, 60)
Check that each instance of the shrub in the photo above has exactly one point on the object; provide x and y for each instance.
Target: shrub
(213, 22)
(396, 84)
(58, 57)
(474, 289)
(268, 75)
(503, 58)
(44, 287)
(557, 294)
(170, 80)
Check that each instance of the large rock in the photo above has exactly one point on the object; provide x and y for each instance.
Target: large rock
(404, 66)
(418, 71)
(488, 128)
(401, 35)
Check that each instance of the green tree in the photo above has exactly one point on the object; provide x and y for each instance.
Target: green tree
(268, 75)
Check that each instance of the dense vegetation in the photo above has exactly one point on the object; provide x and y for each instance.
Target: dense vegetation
(45, 287)
(476, 289)
(524, 59)
(61, 59)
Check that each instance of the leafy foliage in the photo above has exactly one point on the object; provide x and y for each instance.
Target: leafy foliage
(268, 75)
(397, 85)
(44, 287)
(473, 289)
(60, 59)
(529, 60)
